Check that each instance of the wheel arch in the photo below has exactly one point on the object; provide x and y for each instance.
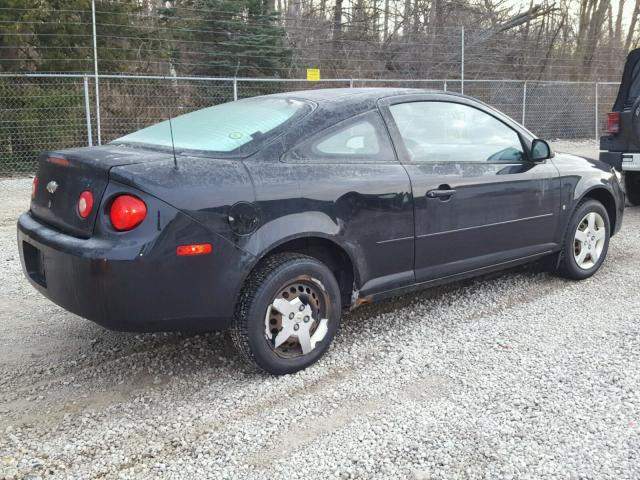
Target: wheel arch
(326, 250)
(606, 198)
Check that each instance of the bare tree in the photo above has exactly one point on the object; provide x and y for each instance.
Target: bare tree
(632, 26)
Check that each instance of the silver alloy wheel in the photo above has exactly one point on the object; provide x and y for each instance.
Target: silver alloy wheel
(297, 318)
(589, 240)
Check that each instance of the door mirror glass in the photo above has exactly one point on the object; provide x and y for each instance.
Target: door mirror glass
(540, 150)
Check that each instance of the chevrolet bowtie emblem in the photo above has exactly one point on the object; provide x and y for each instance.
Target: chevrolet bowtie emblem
(52, 186)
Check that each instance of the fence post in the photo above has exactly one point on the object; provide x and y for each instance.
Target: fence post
(596, 119)
(95, 71)
(235, 89)
(445, 85)
(351, 83)
(462, 65)
(524, 101)
(87, 110)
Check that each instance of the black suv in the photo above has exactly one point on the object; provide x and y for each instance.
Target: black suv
(621, 146)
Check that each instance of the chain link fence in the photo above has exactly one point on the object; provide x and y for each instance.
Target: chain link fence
(54, 111)
(38, 113)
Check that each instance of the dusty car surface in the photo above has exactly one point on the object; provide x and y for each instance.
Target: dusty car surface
(278, 212)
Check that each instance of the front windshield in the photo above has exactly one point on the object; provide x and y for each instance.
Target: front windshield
(222, 128)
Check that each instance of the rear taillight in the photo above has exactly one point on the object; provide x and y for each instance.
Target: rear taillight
(613, 122)
(85, 204)
(34, 187)
(127, 212)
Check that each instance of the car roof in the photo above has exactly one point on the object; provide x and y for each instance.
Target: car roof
(342, 103)
(322, 95)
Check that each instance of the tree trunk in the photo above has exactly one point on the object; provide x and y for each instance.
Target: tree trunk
(407, 17)
(270, 6)
(632, 26)
(593, 34)
(386, 19)
(293, 9)
(337, 23)
(416, 16)
(617, 33)
(375, 24)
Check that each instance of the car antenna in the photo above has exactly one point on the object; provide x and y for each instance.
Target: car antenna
(173, 145)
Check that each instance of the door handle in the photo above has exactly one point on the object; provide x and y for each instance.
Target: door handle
(441, 193)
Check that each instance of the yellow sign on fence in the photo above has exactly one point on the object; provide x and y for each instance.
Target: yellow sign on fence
(313, 74)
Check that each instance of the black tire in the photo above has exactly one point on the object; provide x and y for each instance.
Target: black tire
(568, 266)
(632, 187)
(248, 329)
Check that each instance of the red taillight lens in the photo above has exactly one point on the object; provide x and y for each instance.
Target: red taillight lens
(613, 122)
(34, 187)
(127, 212)
(198, 249)
(85, 204)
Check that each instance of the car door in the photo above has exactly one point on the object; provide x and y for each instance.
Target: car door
(349, 177)
(478, 199)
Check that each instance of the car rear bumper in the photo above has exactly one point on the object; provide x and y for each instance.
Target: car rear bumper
(622, 161)
(150, 290)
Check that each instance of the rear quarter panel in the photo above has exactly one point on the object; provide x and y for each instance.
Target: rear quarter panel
(203, 188)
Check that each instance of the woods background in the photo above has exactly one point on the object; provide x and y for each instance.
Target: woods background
(393, 42)
(562, 39)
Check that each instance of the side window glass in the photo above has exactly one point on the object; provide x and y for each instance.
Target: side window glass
(359, 139)
(451, 132)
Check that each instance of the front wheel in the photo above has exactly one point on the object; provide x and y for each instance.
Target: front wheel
(287, 313)
(586, 241)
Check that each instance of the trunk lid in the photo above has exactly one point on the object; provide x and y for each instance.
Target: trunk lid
(64, 175)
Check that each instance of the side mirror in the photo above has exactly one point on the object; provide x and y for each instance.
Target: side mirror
(540, 150)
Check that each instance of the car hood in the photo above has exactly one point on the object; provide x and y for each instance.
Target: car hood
(567, 163)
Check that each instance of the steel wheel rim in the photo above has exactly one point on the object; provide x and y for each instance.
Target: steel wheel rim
(589, 240)
(297, 317)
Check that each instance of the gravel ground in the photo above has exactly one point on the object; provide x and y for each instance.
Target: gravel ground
(519, 375)
(586, 148)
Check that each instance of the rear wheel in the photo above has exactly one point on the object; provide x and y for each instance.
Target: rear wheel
(586, 241)
(632, 187)
(287, 314)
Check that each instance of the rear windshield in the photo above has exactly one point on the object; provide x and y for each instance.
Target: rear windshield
(229, 128)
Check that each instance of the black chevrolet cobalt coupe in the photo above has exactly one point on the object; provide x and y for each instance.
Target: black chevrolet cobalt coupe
(276, 213)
